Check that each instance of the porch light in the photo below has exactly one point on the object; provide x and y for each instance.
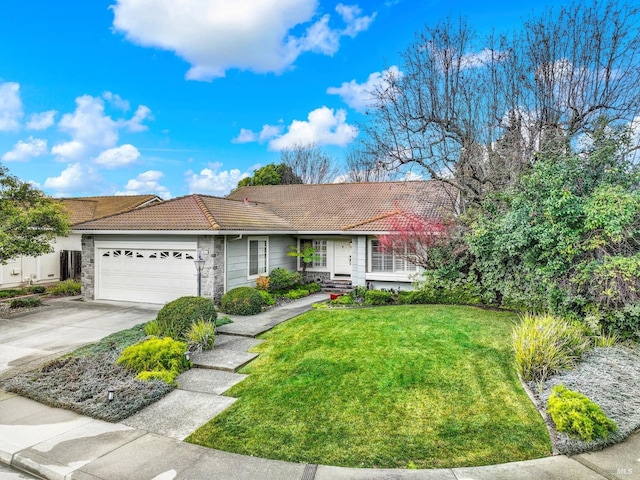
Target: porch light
(111, 393)
(199, 266)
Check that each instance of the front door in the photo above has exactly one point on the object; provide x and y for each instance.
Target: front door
(342, 258)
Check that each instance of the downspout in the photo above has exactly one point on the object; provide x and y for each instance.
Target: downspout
(224, 280)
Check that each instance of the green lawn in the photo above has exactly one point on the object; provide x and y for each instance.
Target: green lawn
(395, 387)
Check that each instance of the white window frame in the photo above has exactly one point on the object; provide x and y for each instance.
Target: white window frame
(394, 261)
(265, 269)
(313, 266)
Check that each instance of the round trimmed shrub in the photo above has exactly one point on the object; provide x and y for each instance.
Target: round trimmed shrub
(242, 301)
(283, 279)
(176, 317)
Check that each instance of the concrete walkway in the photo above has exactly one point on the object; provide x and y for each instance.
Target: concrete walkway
(30, 338)
(59, 444)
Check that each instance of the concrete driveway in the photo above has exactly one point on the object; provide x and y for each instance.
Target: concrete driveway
(61, 326)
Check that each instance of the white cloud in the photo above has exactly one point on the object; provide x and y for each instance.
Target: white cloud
(72, 149)
(10, 107)
(321, 38)
(355, 21)
(92, 130)
(267, 133)
(213, 181)
(75, 178)
(88, 126)
(24, 150)
(245, 136)
(146, 182)
(360, 96)
(135, 123)
(41, 121)
(218, 35)
(117, 101)
(323, 126)
(118, 157)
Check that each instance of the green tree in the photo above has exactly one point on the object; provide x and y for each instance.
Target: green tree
(30, 220)
(271, 174)
(566, 237)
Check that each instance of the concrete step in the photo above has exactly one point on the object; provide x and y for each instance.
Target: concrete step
(222, 359)
(179, 413)
(207, 380)
(235, 342)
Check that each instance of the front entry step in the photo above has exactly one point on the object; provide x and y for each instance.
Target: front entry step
(337, 285)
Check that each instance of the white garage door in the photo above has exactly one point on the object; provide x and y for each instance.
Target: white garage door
(150, 275)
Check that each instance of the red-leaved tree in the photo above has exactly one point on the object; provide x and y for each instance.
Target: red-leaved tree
(418, 240)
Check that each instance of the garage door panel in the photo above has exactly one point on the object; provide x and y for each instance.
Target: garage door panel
(145, 275)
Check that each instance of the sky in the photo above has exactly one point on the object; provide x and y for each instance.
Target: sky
(171, 97)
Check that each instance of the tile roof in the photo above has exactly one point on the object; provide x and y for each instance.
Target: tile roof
(337, 206)
(82, 209)
(194, 212)
(291, 208)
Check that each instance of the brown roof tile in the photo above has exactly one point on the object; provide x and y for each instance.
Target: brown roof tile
(82, 209)
(193, 212)
(333, 207)
(293, 208)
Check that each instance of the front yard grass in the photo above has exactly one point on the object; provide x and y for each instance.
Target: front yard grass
(391, 387)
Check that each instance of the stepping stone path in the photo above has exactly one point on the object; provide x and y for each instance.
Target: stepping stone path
(198, 397)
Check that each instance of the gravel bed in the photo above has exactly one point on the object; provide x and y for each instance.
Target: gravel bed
(611, 378)
(80, 384)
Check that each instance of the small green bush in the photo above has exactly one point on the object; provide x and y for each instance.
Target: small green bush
(37, 289)
(578, 416)
(545, 344)
(313, 287)
(25, 302)
(65, 288)
(297, 293)
(154, 358)
(267, 298)
(152, 328)
(378, 297)
(343, 300)
(223, 320)
(201, 336)
(14, 292)
(283, 279)
(241, 301)
(175, 318)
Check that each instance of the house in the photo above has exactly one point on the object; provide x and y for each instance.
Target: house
(64, 261)
(148, 254)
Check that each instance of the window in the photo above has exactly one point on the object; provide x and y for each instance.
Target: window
(388, 263)
(320, 247)
(258, 249)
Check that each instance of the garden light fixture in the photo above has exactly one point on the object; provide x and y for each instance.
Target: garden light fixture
(199, 266)
(111, 393)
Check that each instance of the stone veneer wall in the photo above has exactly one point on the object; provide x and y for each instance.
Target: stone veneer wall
(213, 271)
(88, 275)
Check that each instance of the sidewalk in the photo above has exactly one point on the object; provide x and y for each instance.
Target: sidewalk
(59, 444)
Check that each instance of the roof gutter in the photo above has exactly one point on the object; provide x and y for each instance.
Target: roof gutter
(239, 233)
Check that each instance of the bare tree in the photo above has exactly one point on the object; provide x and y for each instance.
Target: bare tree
(362, 166)
(309, 163)
(472, 112)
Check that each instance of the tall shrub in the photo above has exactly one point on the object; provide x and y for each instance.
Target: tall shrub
(545, 345)
(175, 318)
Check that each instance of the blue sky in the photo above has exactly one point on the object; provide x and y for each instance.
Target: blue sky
(171, 97)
